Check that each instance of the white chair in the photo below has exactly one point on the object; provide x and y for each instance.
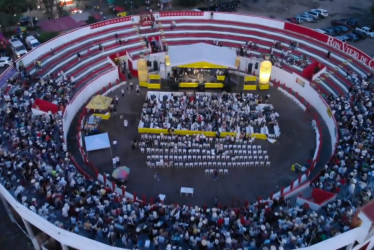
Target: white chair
(220, 171)
(211, 171)
(206, 171)
(225, 171)
(267, 164)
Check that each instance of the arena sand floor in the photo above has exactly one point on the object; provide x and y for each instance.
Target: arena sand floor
(295, 145)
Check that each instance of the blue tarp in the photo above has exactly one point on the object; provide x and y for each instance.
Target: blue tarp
(96, 142)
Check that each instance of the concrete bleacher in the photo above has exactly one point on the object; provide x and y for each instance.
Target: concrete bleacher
(231, 34)
(187, 31)
(87, 68)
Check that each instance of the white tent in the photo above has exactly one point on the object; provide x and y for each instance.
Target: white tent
(202, 54)
(96, 142)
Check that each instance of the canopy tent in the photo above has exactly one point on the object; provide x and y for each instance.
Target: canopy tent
(201, 55)
(99, 102)
(40, 107)
(96, 142)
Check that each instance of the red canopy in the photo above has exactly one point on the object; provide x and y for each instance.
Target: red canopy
(119, 9)
(45, 106)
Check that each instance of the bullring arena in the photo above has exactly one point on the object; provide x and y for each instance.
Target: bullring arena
(191, 187)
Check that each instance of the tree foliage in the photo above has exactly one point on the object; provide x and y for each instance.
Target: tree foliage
(48, 4)
(14, 6)
(45, 36)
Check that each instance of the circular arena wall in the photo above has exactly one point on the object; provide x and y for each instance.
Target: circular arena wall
(318, 43)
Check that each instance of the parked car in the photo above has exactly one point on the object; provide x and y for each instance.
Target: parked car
(359, 33)
(329, 31)
(342, 28)
(366, 30)
(305, 18)
(321, 31)
(294, 20)
(343, 38)
(339, 22)
(27, 20)
(353, 37)
(348, 22)
(322, 12)
(117, 9)
(315, 15)
(17, 47)
(352, 22)
(32, 42)
(5, 61)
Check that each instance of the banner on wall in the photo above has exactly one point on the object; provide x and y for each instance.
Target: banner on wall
(110, 22)
(182, 13)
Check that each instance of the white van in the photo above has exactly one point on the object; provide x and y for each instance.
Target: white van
(32, 42)
(17, 47)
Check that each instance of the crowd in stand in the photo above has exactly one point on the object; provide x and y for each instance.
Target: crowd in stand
(353, 164)
(218, 112)
(35, 167)
(227, 5)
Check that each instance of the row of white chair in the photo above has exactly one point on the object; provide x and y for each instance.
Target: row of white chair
(162, 164)
(220, 171)
(223, 158)
(201, 152)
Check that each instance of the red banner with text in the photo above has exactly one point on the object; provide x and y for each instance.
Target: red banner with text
(110, 22)
(182, 13)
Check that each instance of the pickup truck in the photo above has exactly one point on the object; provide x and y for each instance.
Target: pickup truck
(366, 30)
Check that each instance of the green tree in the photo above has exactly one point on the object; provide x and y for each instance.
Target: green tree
(14, 6)
(45, 36)
(48, 5)
(91, 19)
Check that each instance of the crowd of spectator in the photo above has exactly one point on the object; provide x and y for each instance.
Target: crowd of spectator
(35, 167)
(353, 164)
(227, 5)
(218, 112)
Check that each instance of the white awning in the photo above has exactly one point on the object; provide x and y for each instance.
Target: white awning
(200, 53)
(96, 142)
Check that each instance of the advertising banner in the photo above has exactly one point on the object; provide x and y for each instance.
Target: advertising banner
(182, 13)
(110, 22)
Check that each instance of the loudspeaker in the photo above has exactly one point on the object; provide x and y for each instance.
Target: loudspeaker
(201, 87)
(149, 64)
(227, 84)
(250, 65)
(155, 65)
(173, 84)
(256, 66)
